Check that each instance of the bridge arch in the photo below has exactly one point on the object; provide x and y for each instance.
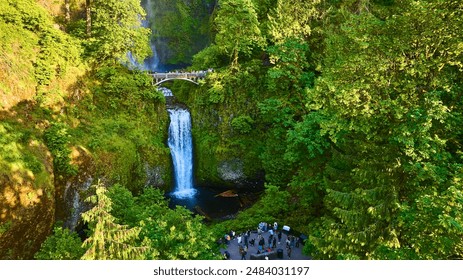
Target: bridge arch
(192, 77)
(172, 79)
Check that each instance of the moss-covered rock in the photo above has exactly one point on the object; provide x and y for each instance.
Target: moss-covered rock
(26, 194)
(226, 137)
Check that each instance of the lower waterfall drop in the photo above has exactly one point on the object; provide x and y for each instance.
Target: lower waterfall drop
(181, 147)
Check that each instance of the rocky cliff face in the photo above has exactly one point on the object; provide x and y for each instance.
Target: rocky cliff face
(27, 203)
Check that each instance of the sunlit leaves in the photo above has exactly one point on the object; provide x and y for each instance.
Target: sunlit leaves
(291, 19)
(62, 245)
(116, 30)
(387, 92)
(109, 240)
(166, 233)
(238, 31)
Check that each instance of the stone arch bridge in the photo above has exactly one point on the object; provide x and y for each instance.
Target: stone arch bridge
(192, 77)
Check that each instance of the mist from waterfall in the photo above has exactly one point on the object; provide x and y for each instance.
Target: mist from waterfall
(151, 63)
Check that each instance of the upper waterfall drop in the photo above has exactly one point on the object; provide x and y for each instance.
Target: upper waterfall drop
(181, 147)
(152, 63)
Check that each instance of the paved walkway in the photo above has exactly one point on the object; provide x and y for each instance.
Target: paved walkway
(233, 248)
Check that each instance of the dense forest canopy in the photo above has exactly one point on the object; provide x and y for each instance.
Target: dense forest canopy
(352, 110)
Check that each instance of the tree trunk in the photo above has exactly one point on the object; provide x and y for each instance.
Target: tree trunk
(88, 12)
(67, 11)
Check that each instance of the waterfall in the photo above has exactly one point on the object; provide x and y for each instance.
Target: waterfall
(75, 203)
(150, 63)
(181, 147)
(167, 92)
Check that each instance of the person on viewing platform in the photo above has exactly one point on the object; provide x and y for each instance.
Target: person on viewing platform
(261, 244)
(226, 255)
(252, 242)
(259, 233)
(243, 253)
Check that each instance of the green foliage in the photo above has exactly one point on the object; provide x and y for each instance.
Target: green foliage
(389, 144)
(291, 19)
(62, 245)
(16, 154)
(57, 140)
(352, 109)
(123, 89)
(34, 52)
(120, 130)
(181, 28)
(170, 234)
(4, 227)
(210, 57)
(243, 124)
(431, 227)
(124, 207)
(116, 31)
(289, 73)
(109, 240)
(238, 31)
(358, 119)
(274, 205)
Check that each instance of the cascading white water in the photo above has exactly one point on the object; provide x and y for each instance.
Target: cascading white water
(181, 148)
(167, 92)
(75, 203)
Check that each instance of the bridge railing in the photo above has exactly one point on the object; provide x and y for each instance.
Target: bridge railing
(191, 76)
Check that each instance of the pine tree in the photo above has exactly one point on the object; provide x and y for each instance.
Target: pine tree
(109, 240)
(390, 95)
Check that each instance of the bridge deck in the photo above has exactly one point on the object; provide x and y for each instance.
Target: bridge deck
(189, 76)
(184, 75)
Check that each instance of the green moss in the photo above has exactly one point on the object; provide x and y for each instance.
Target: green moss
(226, 122)
(126, 129)
(5, 226)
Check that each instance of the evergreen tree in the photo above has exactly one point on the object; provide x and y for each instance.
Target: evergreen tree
(387, 91)
(169, 234)
(109, 240)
